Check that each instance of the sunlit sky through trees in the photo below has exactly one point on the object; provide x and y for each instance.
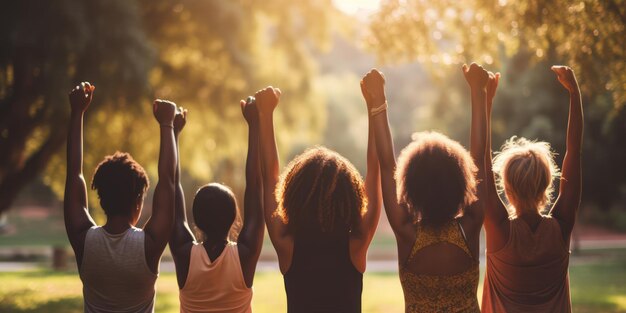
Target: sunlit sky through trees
(353, 7)
(206, 55)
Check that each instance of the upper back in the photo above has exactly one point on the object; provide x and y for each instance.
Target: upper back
(321, 277)
(528, 247)
(440, 263)
(114, 272)
(530, 273)
(217, 286)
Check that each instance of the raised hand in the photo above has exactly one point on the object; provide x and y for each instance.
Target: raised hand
(164, 112)
(267, 100)
(373, 89)
(80, 96)
(566, 77)
(249, 111)
(492, 85)
(180, 120)
(476, 76)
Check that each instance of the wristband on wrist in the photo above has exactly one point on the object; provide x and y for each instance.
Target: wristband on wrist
(379, 109)
(166, 125)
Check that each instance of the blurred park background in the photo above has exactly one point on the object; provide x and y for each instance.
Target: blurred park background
(207, 54)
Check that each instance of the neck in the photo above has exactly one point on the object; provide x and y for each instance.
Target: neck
(530, 214)
(212, 242)
(117, 224)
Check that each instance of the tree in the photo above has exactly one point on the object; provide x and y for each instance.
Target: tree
(522, 39)
(204, 55)
(589, 35)
(47, 47)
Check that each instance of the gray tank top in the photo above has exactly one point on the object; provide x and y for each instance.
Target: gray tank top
(115, 275)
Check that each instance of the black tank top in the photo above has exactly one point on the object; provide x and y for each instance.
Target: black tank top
(322, 278)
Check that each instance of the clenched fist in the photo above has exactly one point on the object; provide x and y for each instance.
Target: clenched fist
(476, 76)
(249, 110)
(80, 96)
(373, 89)
(492, 85)
(267, 100)
(180, 120)
(566, 77)
(164, 112)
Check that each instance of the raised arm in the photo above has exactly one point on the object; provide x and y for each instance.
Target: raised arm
(75, 212)
(251, 236)
(566, 205)
(266, 101)
(398, 216)
(477, 78)
(496, 214)
(362, 237)
(159, 228)
(182, 237)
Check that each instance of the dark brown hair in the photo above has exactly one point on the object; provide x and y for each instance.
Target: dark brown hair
(119, 181)
(322, 188)
(214, 210)
(436, 177)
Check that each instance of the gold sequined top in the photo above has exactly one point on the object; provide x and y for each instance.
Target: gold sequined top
(436, 293)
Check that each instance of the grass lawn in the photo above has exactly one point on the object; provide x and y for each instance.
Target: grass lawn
(598, 287)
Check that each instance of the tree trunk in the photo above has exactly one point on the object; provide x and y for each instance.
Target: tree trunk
(59, 258)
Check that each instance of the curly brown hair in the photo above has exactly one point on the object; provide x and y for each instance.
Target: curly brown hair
(119, 181)
(436, 178)
(322, 188)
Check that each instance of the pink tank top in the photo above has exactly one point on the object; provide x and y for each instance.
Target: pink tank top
(529, 274)
(216, 286)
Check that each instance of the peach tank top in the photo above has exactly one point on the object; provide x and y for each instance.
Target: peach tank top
(529, 274)
(216, 286)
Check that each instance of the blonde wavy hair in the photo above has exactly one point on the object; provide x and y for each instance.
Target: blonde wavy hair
(525, 171)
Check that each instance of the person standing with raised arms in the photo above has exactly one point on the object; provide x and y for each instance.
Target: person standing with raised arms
(215, 274)
(527, 251)
(118, 263)
(431, 204)
(320, 217)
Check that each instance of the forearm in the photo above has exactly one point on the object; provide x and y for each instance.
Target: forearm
(165, 193)
(478, 131)
(575, 123)
(253, 158)
(495, 211)
(75, 145)
(179, 213)
(384, 142)
(269, 164)
(252, 197)
(168, 161)
(490, 184)
(372, 183)
(75, 197)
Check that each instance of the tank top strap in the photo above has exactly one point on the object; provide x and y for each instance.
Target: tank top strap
(451, 232)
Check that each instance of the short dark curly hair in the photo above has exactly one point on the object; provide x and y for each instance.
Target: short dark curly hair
(320, 188)
(119, 181)
(436, 178)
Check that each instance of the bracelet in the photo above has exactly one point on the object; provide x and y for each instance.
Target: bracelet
(378, 109)
(165, 125)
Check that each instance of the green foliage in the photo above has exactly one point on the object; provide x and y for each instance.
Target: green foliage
(596, 286)
(48, 47)
(588, 35)
(204, 55)
(521, 39)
